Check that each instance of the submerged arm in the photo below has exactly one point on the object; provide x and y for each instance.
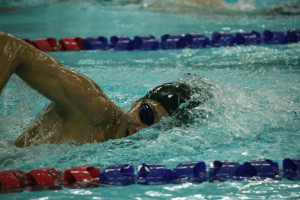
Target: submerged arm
(68, 89)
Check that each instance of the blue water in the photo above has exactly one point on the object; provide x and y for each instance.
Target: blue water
(255, 112)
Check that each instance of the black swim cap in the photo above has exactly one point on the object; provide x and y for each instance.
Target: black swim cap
(170, 95)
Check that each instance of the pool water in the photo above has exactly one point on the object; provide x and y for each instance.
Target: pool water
(255, 112)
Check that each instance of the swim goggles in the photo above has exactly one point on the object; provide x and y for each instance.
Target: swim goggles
(146, 114)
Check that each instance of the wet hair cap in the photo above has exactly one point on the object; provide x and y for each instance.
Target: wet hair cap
(170, 95)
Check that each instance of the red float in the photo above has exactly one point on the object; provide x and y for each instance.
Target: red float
(12, 181)
(71, 44)
(46, 44)
(50, 178)
(85, 176)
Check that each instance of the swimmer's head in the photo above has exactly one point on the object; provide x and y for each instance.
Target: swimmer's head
(162, 101)
(178, 100)
(170, 95)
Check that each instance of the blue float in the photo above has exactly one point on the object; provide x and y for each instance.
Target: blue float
(146, 42)
(117, 175)
(171, 41)
(260, 169)
(196, 40)
(293, 35)
(153, 174)
(222, 39)
(274, 37)
(194, 172)
(248, 38)
(223, 170)
(121, 42)
(95, 43)
(291, 168)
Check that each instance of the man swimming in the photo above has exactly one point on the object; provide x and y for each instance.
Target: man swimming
(80, 112)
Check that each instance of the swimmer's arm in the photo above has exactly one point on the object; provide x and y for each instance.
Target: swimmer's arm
(72, 91)
(8, 61)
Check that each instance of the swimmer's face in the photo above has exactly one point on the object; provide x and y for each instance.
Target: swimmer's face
(143, 114)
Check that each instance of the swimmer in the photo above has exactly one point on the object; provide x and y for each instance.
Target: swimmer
(204, 3)
(80, 112)
(195, 8)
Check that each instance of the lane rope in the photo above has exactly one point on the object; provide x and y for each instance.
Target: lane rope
(148, 174)
(167, 41)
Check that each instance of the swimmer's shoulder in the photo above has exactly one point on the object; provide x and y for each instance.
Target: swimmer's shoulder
(4, 35)
(7, 37)
(12, 46)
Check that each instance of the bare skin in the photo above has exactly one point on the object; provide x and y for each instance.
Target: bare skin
(80, 112)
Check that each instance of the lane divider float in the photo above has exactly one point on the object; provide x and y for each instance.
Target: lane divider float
(147, 174)
(168, 41)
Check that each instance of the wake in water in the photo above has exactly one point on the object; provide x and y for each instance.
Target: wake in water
(195, 8)
(204, 8)
(231, 116)
(238, 112)
(283, 8)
